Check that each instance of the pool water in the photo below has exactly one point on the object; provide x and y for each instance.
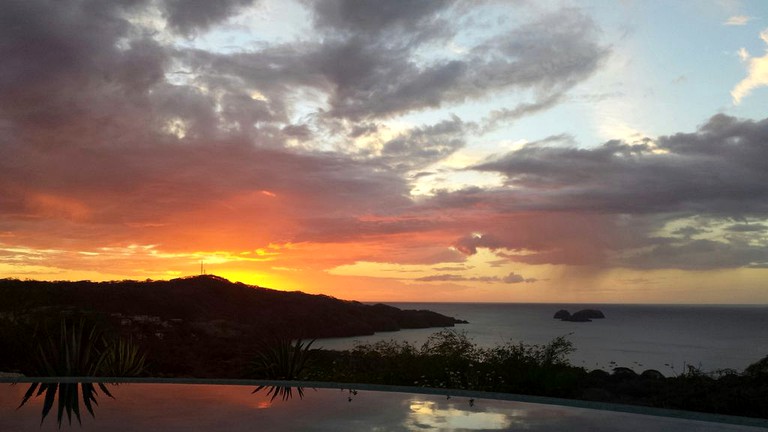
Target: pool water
(212, 407)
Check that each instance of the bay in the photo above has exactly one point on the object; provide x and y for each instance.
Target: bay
(667, 338)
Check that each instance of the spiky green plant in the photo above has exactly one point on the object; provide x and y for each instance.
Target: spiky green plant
(122, 358)
(76, 351)
(79, 350)
(283, 359)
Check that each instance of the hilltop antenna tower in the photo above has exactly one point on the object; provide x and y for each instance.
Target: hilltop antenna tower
(202, 268)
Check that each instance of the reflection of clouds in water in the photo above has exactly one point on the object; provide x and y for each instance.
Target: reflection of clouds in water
(184, 408)
(425, 414)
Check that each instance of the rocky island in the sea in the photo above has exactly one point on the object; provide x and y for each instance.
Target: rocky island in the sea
(584, 315)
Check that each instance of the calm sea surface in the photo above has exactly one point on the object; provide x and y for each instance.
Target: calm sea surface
(640, 337)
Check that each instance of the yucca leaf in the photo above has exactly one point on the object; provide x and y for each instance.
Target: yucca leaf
(104, 389)
(62, 403)
(89, 395)
(75, 402)
(42, 389)
(28, 394)
(50, 396)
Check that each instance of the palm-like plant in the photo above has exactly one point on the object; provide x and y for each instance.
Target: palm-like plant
(79, 350)
(122, 358)
(284, 359)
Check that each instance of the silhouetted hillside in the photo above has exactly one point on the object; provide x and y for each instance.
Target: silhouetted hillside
(211, 298)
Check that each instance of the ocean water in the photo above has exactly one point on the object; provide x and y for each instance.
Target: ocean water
(662, 337)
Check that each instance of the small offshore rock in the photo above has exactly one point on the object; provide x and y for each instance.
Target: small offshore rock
(592, 313)
(580, 316)
(584, 315)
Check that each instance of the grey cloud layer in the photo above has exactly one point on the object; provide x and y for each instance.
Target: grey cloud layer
(105, 127)
(511, 278)
(718, 170)
(704, 181)
(373, 68)
(191, 16)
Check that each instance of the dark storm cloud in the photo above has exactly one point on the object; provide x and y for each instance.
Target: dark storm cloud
(346, 229)
(554, 237)
(748, 228)
(516, 278)
(719, 170)
(188, 17)
(511, 278)
(381, 78)
(373, 16)
(363, 129)
(298, 131)
(611, 204)
(109, 135)
(468, 245)
(506, 115)
(277, 73)
(98, 143)
(422, 146)
(702, 255)
(369, 76)
(62, 70)
(110, 195)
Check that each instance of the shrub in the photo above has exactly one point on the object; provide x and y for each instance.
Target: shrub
(283, 359)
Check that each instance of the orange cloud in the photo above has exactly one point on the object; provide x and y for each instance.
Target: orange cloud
(53, 206)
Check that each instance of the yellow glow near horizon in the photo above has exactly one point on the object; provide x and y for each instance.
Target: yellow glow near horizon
(479, 278)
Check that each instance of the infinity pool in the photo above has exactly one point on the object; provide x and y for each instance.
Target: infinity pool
(216, 407)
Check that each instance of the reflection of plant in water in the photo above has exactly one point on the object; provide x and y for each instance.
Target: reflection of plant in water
(352, 392)
(79, 350)
(68, 398)
(284, 392)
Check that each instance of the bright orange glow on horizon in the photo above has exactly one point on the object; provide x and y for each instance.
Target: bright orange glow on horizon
(496, 153)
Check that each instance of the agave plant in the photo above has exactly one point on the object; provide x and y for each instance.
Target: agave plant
(79, 350)
(284, 359)
(121, 358)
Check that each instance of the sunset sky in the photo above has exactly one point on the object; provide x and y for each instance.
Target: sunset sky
(518, 151)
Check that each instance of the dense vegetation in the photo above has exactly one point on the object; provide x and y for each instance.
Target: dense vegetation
(212, 299)
(78, 347)
(64, 338)
(203, 326)
(450, 360)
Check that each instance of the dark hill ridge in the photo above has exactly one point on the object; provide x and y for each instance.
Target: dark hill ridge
(210, 298)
